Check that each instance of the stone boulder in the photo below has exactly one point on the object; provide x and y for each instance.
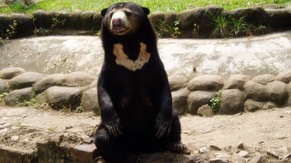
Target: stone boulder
(26, 79)
(236, 82)
(75, 79)
(288, 103)
(62, 97)
(264, 79)
(156, 19)
(198, 98)
(206, 83)
(171, 18)
(179, 98)
(24, 23)
(89, 101)
(41, 19)
(63, 17)
(255, 16)
(284, 77)
(75, 20)
(232, 101)
(87, 19)
(252, 105)
(169, 157)
(206, 25)
(177, 82)
(11, 72)
(277, 92)
(18, 96)
(256, 91)
(188, 20)
(97, 20)
(205, 110)
(277, 18)
(3, 86)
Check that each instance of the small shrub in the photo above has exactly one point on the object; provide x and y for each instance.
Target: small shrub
(2, 96)
(79, 109)
(195, 31)
(214, 103)
(8, 33)
(221, 24)
(165, 29)
(57, 21)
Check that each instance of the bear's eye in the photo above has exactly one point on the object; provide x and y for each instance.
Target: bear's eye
(111, 14)
(127, 13)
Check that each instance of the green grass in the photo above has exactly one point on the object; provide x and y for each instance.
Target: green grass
(154, 5)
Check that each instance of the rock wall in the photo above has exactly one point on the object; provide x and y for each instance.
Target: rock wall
(197, 22)
(77, 91)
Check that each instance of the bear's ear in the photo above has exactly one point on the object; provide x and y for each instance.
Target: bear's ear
(146, 10)
(103, 12)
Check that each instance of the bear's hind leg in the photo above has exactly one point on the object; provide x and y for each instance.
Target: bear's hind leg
(113, 150)
(173, 140)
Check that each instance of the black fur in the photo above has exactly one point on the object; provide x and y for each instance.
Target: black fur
(136, 106)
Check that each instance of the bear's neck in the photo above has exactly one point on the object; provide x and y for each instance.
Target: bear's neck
(130, 43)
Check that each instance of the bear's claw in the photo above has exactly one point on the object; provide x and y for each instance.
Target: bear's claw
(114, 129)
(163, 128)
(178, 148)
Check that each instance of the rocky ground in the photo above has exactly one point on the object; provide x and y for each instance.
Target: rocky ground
(41, 135)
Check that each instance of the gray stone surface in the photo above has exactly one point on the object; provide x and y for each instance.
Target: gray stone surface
(250, 56)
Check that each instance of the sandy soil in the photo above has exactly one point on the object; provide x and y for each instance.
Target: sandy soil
(262, 136)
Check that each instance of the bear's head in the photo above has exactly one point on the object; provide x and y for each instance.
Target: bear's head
(124, 18)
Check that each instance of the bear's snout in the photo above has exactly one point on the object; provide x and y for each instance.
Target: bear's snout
(119, 23)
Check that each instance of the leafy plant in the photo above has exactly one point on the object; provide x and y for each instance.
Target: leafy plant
(195, 31)
(221, 24)
(165, 29)
(53, 128)
(2, 96)
(57, 21)
(42, 31)
(227, 26)
(79, 109)
(239, 26)
(9, 32)
(214, 103)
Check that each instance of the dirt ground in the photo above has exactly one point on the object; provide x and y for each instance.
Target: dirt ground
(262, 136)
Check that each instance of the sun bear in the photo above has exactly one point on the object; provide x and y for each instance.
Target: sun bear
(133, 89)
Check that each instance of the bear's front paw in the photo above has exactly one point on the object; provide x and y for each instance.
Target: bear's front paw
(114, 128)
(101, 136)
(163, 126)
